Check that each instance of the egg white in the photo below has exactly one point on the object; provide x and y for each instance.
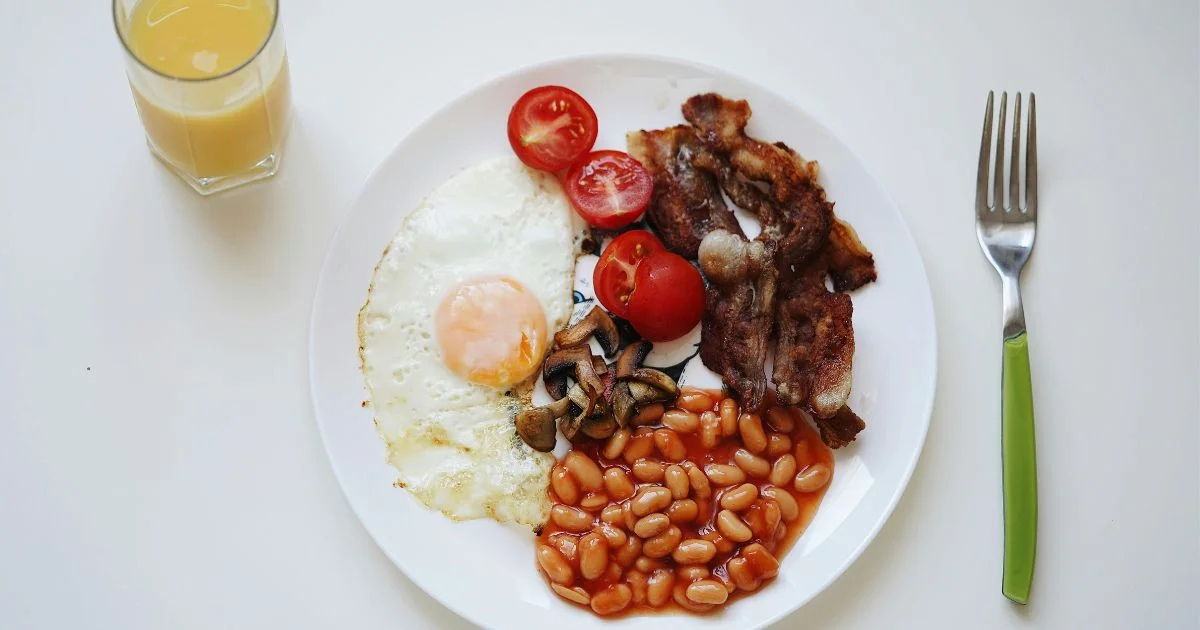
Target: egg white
(453, 442)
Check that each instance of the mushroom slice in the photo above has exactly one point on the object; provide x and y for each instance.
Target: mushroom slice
(596, 324)
(556, 385)
(631, 358)
(569, 425)
(644, 394)
(581, 399)
(589, 406)
(656, 379)
(536, 426)
(561, 362)
(599, 427)
(623, 404)
(578, 360)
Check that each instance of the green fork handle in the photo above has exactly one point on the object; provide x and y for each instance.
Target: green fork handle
(1020, 471)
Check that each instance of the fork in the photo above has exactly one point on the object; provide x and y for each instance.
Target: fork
(1006, 234)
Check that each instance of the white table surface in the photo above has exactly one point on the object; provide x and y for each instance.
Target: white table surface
(159, 462)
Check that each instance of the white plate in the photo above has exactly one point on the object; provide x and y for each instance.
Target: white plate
(485, 572)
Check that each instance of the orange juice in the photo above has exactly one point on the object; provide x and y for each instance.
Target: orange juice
(217, 101)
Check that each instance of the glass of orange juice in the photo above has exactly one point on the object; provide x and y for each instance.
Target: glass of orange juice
(210, 81)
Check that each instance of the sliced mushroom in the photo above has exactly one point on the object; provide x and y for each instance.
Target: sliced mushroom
(556, 385)
(623, 404)
(631, 358)
(643, 394)
(536, 426)
(599, 427)
(599, 365)
(581, 400)
(569, 425)
(562, 362)
(656, 379)
(596, 324)
(589, 408)
(577, 360)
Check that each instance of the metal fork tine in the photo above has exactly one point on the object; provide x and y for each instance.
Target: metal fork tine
(985, 151)
(1014, 171)
(1031, 162)
(998, 182)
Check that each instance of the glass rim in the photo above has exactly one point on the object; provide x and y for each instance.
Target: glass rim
(215, 77)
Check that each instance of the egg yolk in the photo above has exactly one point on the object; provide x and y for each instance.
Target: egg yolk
(491, 331)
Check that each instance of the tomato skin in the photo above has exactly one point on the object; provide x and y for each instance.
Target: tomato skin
(551, 127)
(609, 189)
(668, 297)
(614, 276)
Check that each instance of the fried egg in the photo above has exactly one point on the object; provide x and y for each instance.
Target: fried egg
(454, 329)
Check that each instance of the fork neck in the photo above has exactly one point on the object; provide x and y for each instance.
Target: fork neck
(1014, 311)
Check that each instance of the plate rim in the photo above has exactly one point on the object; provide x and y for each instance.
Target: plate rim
(599, 58)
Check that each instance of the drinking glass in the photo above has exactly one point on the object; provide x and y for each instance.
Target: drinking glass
(215, 131)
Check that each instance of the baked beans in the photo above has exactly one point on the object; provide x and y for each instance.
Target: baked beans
(724, 474)
(593, 556)
(753, 434)
(584, 470)
(616, 443)
(676, 480)
(694, 551)
(733, 527)
(649, 499)
(683, 511)
(690, 507)
(651, 525)
(694, 400)
(670, 445)
(640, 445)
(648, 414)
(681, 420)
(620, 486)
(813, 478)
(611, 600)
(751, 464)
(648, 470)
(616, 537)
(570, 519)
(780, 419)
(575, 594)
(782, 471)
(658, 587)
(710, 429)
(739, 498)
(707, 592)
(594, 501)
(564, 485)
(778, 444)
(664, 543)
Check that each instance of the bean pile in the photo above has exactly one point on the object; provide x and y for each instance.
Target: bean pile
(692, 505)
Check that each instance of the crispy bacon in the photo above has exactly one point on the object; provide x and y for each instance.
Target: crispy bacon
(841, 429)
(774, 284)
(814, 352)
(793, 209)
(851, 265)
(687, 202)
(738, 309)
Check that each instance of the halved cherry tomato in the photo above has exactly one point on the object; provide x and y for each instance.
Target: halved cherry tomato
(613, 279)
(550, 127)
(668, 297)
(609, 189)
